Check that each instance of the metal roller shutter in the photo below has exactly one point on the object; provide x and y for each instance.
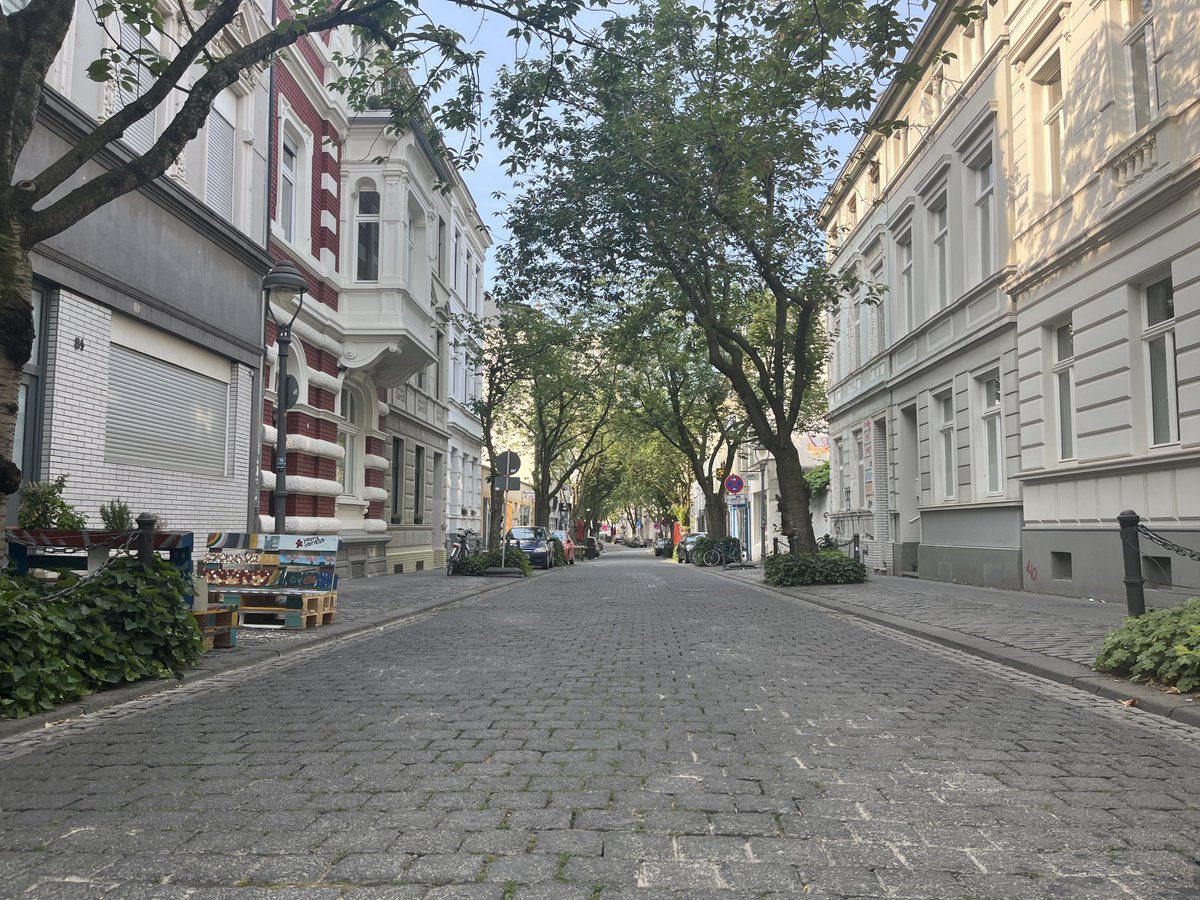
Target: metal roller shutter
(164, 417)
(218, 185)
(140, 135)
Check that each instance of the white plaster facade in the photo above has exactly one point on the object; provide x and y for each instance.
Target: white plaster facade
(1043, 201)
(465, 288)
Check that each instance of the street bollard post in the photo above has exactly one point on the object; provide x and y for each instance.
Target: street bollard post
(1135, 595)
(145, 524)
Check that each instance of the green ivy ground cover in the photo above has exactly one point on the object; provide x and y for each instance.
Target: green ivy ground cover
(1162, 646)
(478, 565)
(124, 625)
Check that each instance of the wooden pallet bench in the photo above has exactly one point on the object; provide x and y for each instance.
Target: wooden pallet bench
(273, 580)
(219, 626)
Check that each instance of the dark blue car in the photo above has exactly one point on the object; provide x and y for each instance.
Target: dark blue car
(534, 542)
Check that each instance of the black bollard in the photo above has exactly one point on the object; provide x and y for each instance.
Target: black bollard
(1135, 597)
(145, 524)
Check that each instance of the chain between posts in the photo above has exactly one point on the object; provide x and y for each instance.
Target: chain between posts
(125, 540)
(1166, 544)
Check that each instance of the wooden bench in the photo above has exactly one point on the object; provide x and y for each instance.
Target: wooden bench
(273, 580)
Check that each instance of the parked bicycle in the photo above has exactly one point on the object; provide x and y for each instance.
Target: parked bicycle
(460, 549)
(723, 554)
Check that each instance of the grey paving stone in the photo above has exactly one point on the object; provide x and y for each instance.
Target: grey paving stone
(645, 729)
(439, 868)
(369, 868)
(528, 868)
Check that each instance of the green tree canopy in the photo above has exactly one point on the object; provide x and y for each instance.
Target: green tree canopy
(699, 148)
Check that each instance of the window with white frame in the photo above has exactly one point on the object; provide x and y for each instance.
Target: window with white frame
(220, 154)
(397, 481)
(904, 265)
(860, 472)
(991, 416)
(348, 431)
(410, 249)
(878, 310)
(863, 321)
(843, 477)
(367, 232)
(947, 450)
(457, 257)
(839, 345)
(418, 485)
(939, 262)
(982, 174)
(1053, 116)
(1158, 338)
(288, 167)
(1139, 49)
(441, 249)
(1063, 373)
(467, 272)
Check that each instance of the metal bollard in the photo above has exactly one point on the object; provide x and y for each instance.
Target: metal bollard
(145, 539)
(1135, 595)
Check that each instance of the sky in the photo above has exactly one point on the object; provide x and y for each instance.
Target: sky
(489, 33)
(487, 178)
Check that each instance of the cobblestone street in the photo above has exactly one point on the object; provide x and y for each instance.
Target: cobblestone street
(627, 727)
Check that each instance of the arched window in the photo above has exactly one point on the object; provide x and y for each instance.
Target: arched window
(367, 215)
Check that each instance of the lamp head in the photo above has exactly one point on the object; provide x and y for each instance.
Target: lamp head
(284, 282)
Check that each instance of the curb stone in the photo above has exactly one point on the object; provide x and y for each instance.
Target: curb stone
(217, 662)
(1149, 699)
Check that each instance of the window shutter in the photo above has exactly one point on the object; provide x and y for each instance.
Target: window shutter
(218, 185)
(139, 136)
(164, 417)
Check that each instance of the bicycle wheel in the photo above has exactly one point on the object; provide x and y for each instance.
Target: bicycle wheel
(712, 558)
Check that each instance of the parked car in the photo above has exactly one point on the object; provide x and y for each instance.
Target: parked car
(534, 542)
(687, 544)
(568, 545)
(660, 544)
(635, 542)
(591, 548)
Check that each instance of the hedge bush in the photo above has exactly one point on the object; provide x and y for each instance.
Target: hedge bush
(824, 567)
(1162, 646)
(125, 624)
(478, 565)
(560, 552)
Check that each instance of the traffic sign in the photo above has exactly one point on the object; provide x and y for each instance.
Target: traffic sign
(734, 484)
(508, 463)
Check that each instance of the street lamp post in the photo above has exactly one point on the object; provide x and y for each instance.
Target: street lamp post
(283, 282)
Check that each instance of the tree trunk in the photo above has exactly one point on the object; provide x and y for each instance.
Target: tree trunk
(16, 342)
(794, 493)
(716, 513)
(541, 504)
(496, 514)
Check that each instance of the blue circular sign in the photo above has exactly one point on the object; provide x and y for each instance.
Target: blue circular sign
(734, 484)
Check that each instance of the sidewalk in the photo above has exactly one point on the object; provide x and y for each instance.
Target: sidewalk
(1051, 637)
(362, 605)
